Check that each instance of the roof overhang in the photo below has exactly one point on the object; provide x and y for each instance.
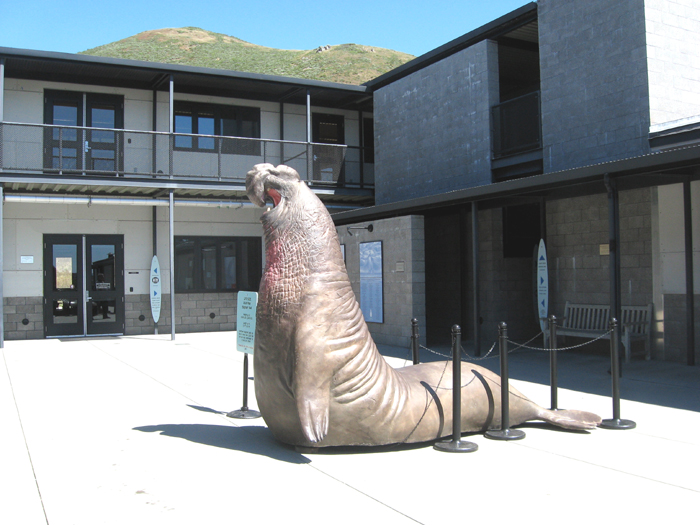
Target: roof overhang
(115, 72)
(655, 169)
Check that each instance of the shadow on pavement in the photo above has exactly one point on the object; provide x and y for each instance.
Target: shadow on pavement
(252, 440)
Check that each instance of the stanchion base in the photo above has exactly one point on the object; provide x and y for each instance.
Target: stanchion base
(618, 424)
(455, 446)
(244, 413)
(509, 434)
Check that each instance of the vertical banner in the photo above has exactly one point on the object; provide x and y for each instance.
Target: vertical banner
(371, 284)
(542, 285)
(247, 307)
(155, 289)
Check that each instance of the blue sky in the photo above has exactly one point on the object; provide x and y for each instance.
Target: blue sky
(414, 27)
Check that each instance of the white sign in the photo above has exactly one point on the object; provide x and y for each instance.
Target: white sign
(542, 285)
(247, 308)
(155, 287)
(371, 284)
(26, 259)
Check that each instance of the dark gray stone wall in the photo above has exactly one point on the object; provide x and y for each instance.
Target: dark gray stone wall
(432, 127)
(593, 71)
(16, 310)
(675, 326)
(193, 313)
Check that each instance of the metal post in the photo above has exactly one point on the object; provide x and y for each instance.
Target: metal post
(171, 221)
(616, 422)
(475, 278)
(171, 125)
(689, 277)
(456, 444)
(309, 137)
(415, 341)
(553, 380)
(506, 433)
(244, 412)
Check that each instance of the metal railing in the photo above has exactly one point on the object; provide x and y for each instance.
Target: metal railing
(516, 125)
(81, 151)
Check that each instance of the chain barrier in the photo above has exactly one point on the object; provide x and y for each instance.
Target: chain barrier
(574, 347)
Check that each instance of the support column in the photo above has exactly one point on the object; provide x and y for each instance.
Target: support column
(309, 149)
(689, 275)
(614, 230)
(171, 124)
(475, 278)
(171, 210)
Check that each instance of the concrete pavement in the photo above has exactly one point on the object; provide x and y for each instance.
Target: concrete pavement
(134, 430)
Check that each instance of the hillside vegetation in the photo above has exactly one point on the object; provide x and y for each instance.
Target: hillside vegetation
(191, 46)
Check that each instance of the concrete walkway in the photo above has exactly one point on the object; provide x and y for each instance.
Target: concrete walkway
(133, 430)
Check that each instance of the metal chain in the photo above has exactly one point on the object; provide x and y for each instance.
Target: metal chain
(559, 349)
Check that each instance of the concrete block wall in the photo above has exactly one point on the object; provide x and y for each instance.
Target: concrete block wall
(593, 71)
(432, 127)
(675, 323)
(193, 313)
(403, 260)
(576, 230)
(673, 58)
(23, 317)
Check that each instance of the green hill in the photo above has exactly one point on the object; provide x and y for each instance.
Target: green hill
(191, 46)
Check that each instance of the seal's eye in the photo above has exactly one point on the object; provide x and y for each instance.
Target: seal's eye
(275, 196)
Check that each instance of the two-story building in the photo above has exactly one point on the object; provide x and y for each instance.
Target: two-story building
(574, 122)
(105, 163)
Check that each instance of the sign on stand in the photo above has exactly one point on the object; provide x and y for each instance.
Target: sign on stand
(245, 342)
(542, 286)
(247, 306)
(155, 289)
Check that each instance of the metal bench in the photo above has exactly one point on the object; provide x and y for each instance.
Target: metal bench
(591, 321)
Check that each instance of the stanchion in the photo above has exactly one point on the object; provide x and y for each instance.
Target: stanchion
(244, 412)
(506, 433)
(415, 346)
(553, 380)
(616, 423)
(456, 444)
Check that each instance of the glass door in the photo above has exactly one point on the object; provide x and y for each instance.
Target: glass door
(83, 285)
(104, 149)
(63, 147)
(105, 284)
(63, 285)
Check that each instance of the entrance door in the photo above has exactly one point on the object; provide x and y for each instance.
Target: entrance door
(71, 149)
(83, 285)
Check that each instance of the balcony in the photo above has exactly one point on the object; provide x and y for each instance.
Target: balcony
(38, 149)
(516, 126)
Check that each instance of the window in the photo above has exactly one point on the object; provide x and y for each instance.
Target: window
(223, 121)
(217, 264)
(328, 129)
(521, 230)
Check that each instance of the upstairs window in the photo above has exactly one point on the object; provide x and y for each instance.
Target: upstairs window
(215, 120)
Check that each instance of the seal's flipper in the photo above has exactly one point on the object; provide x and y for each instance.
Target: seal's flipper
(571, 419)
(313, 414)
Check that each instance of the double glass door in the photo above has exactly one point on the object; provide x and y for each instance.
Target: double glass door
(83, 285)
(71, 149)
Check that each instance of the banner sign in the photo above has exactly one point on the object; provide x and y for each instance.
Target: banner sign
(542, 285)
(155, 287)
(247, 307)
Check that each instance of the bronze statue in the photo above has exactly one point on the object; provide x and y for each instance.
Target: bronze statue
(319, 379)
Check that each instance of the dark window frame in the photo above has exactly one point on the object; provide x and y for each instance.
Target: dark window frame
(248, 273)
(229, 121)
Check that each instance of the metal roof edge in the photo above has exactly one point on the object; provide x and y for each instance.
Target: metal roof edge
(652, 162)
(525, 12)
(176, 68)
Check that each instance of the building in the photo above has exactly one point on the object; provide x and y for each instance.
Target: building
(105, 163)
(574, 122)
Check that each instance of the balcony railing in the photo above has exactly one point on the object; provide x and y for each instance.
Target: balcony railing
(516, 126)
(80, 151)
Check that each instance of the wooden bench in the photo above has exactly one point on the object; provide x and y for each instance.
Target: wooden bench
(591, 321)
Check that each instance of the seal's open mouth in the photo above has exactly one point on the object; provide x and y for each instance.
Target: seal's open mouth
(274, 195)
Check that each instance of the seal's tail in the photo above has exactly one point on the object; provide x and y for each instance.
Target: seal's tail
(571, 419)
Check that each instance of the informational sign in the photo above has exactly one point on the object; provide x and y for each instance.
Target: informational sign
(155, 289)
(542, 285)
(247, 307)
(371, 285)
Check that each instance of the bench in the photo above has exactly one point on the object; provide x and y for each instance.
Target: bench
(592, 320)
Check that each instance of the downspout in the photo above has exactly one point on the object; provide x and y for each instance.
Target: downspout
(309, 150)
(475, 278)
(171, 125)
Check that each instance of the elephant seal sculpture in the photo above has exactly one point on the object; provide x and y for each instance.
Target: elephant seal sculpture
(319, 379)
